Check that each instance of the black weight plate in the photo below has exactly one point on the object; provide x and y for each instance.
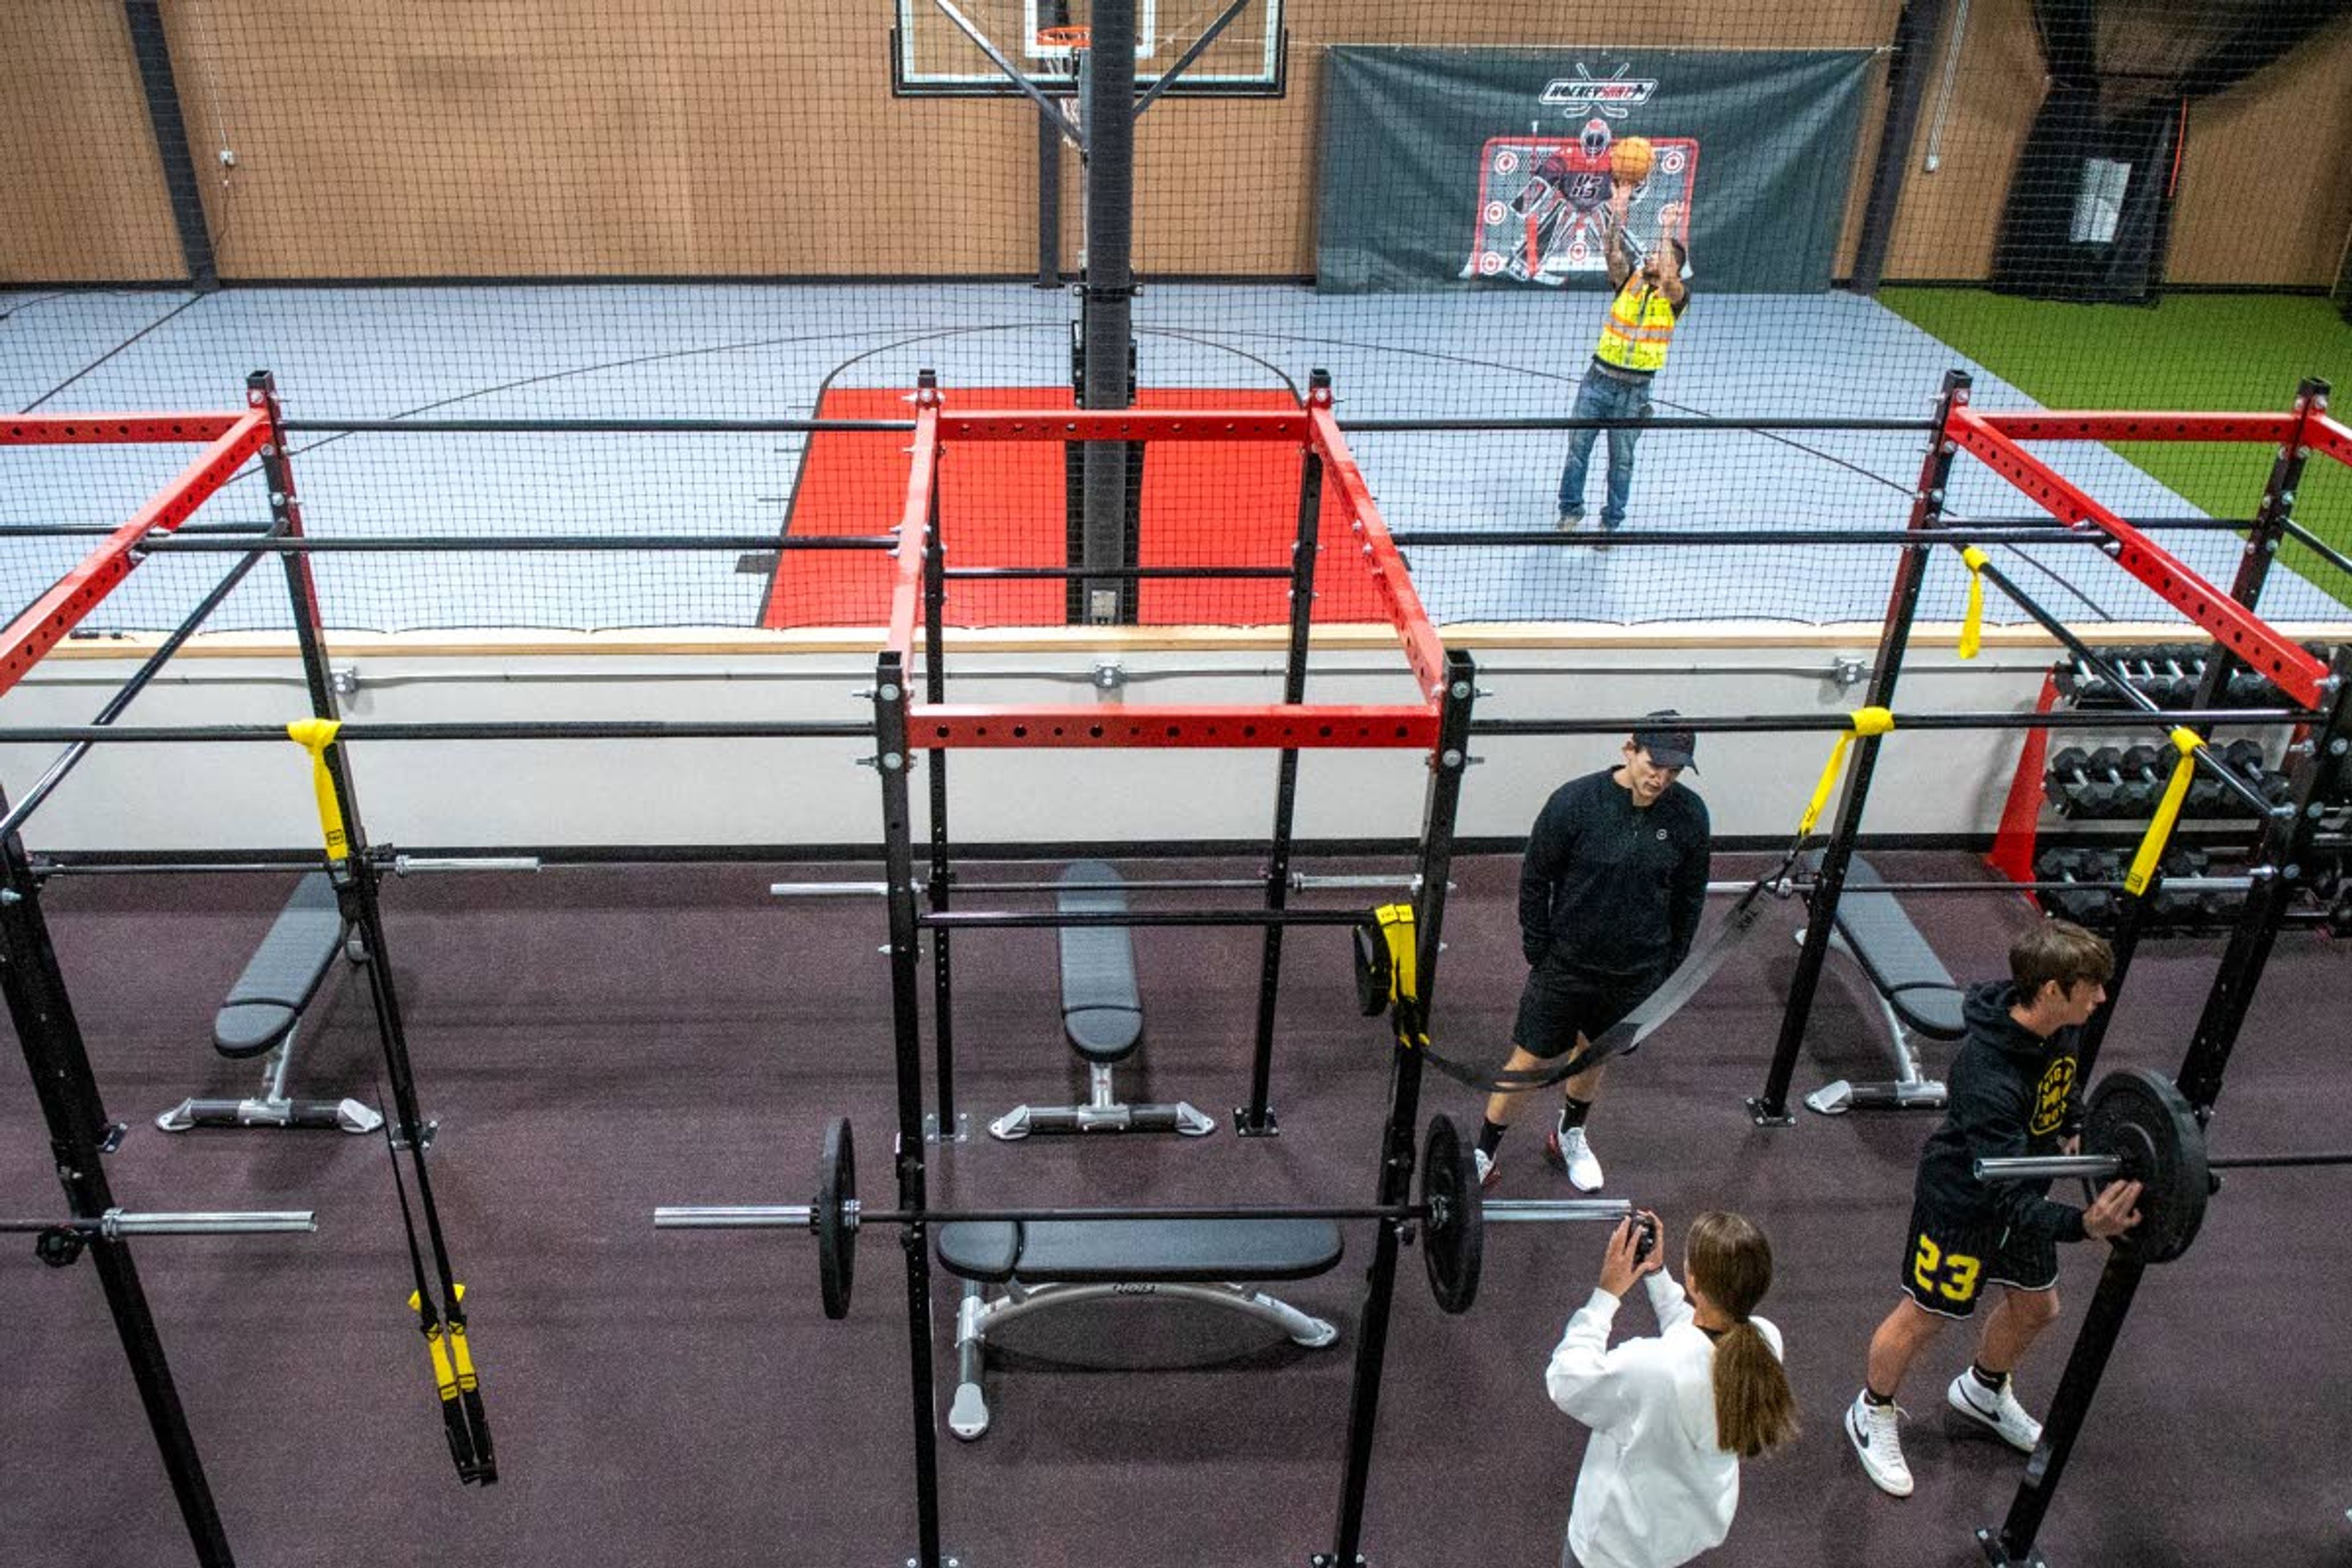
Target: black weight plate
(2137, 1115)
(1371, 967)
(836, 1237)
(1453, 1237)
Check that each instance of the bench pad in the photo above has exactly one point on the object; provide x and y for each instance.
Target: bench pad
(1146, 1251)
(1101, 1013)
(1897, 959)
(284, 974)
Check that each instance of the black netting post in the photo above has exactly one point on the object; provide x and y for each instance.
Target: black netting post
(1106, 85)
(1907, 70)
(154, 50)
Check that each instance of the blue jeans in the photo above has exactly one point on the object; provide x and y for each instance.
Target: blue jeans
(1603, 396)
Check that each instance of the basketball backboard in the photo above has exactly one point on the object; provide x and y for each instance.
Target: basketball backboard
(932, 54)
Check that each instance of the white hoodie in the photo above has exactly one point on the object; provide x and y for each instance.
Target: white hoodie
(1656, 1489)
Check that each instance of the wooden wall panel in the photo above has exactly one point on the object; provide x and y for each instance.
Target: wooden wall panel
(556, 138)
(2266, 176)
(82, 192)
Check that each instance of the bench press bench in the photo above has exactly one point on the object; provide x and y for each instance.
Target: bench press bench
(259, 1015)
(1102, 1018)
(1915, 991)
(1044, 1265)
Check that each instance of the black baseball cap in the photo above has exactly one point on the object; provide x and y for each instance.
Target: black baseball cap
(1669, 744)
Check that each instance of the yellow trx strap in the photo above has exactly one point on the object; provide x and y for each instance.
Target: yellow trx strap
(1972, 622)
(1866, 722)
(314, 736)
(2167, 811)
(1397, 930)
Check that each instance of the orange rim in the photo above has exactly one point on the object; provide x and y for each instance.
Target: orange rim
(1069, 38)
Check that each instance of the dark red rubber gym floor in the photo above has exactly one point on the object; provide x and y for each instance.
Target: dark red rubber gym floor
(595, 1043)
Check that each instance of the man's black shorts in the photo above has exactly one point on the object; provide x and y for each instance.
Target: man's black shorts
(1947, 1262)
(1561, 1003)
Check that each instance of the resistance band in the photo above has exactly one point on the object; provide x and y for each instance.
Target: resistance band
(314, 736)
(1972, 621)
(463, 1420)
(1866, 722)
(2168, 812)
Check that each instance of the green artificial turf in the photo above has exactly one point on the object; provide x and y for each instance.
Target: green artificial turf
(2223, 352)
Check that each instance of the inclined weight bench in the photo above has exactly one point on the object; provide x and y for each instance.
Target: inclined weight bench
(1102, 1018)
(260, 1014)
(1914, 990)
(1044, 1265)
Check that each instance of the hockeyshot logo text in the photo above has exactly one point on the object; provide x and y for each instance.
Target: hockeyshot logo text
(1614, 95)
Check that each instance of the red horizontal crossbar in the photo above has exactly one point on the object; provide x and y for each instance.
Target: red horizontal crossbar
(914, 527)
(1391, 583)
(49, 618)
(1127, 425)
(2233, 626)
(2325, 434)
(1200, 726)
(57, 429)
(2059, 425)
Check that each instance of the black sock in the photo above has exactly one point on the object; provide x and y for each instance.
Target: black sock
(1993, 1380)
(1490, 1137)
(1572, 1112)
(1872, 1396)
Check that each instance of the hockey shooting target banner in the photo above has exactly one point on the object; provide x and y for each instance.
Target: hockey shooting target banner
(1508, 167)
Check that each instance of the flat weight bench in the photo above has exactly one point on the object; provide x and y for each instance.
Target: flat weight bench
(1102, 1016)
(1914, 990)
(1048, 1264)
(261, 1012)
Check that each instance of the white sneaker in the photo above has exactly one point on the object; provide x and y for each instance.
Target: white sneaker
(1569, 520)
(1488, 1171)
(1996, 1409)
(1573, 1151)
(1873, 1429)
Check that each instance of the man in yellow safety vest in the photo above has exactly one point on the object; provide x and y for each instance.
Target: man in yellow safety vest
(1648, 301)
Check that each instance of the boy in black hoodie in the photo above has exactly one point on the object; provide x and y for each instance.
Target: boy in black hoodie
(2013, 1091)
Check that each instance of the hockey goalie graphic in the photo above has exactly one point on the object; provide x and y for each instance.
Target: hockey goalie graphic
(1544, 201)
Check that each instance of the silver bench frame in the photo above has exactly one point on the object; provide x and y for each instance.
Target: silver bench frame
(968, 1417)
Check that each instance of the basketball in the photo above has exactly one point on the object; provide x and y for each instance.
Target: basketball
(1630, 159)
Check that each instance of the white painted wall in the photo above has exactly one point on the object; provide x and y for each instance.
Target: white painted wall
(213, 797)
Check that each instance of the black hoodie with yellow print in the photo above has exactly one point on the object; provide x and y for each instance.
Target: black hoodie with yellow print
(2012, 1092)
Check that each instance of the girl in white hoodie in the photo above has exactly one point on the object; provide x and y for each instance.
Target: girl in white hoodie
(1671, 1416)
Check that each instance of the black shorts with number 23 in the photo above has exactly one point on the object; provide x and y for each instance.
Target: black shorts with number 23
(1950, 1260)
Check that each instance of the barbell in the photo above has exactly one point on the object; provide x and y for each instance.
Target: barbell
(1451, 1211)
(2139, 1128)
(58, 1242)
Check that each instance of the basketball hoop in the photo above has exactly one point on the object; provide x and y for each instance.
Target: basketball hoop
(1061, 43)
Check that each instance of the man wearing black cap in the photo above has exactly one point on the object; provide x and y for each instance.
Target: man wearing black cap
(1610, 894)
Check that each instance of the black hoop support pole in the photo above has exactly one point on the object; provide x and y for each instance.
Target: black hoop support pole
(1772, 1107)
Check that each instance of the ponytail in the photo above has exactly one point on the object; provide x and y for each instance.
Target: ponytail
(1754, 1409)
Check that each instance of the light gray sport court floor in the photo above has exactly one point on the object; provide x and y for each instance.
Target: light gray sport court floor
(732, 350)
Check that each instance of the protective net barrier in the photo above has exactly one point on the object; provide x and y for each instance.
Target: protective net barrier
(689, 210)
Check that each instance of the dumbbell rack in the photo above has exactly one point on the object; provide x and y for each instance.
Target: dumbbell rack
(2122, 784)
